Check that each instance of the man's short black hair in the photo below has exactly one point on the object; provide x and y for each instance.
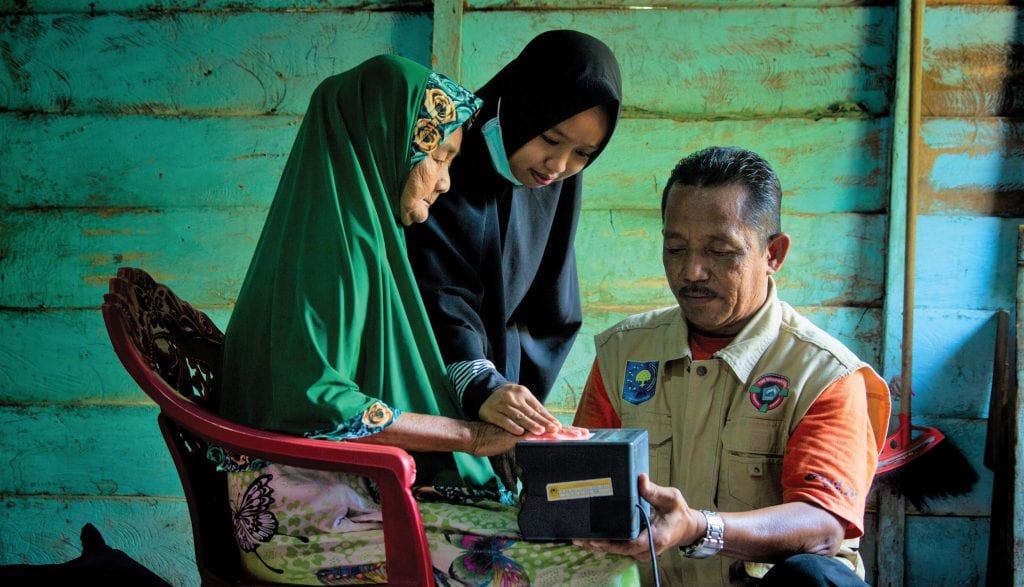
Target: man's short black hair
(721, 166)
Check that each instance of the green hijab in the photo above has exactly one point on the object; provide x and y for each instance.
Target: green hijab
(329, 337)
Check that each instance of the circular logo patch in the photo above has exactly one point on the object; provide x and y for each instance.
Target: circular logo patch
(768, 392)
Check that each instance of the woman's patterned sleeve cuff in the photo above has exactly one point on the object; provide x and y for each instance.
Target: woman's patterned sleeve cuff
(473, 382)
(374, 419)
(463, 372)
(230, 462)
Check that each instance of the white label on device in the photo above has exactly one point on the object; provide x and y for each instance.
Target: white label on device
(582, 489)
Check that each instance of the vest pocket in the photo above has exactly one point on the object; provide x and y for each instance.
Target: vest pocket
(659, 444)
(752, 463)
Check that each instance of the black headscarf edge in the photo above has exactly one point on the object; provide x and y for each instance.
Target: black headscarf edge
(559, 74)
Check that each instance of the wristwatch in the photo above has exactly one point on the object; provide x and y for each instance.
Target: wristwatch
(713, 540)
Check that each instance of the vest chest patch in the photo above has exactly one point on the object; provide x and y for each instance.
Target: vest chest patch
(640, 381)
(769, 391)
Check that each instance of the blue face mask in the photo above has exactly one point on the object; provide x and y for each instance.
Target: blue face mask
(496, 147)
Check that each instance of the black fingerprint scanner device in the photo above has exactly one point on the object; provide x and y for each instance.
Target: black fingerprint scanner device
(582, 488)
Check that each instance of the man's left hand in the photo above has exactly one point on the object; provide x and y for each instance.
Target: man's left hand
(673, 523)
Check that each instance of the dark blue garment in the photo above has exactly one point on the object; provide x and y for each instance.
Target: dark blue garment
(514, 303)
(495, 263)
(811, 570)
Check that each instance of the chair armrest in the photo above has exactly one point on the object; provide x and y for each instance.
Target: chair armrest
(391, 468)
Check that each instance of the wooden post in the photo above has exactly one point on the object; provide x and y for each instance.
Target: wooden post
(446, 51)
(890, 531)
(890, 544)
(1006, 537)
(997, 458)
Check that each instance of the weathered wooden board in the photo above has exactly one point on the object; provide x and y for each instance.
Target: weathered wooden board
(654, 5)
(446, 44)
(183, 63)
(64, 259)
(59, 356)
(971, 62)
(828, 165)
(835, 260)
(972, 167)
(953, 357)
(965, 263)
(669, 4)
(1010, 531)
(101, 6)
(104, 6)
(155, 532)
(142, 161)
(930, 540)
(755, 63)
(84, 450)
(946, 551)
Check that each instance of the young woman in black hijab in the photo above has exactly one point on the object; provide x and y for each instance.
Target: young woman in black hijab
(495, 262)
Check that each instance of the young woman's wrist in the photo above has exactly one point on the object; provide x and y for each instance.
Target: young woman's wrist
(478, 390)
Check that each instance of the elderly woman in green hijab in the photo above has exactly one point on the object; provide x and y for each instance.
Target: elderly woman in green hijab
(329, 339)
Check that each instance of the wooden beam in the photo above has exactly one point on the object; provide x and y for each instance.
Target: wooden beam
(1008, 542)
(891, 531)
(889, 546)
(446, 51)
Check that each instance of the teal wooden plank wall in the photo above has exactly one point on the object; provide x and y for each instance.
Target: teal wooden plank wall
(154, 137)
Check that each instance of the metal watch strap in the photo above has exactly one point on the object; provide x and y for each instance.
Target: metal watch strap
(713, 540)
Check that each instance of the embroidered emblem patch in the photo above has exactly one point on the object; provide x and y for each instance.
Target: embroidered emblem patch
(640, 381)
(768, 392)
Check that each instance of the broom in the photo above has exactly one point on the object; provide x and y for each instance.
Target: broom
(919, 462)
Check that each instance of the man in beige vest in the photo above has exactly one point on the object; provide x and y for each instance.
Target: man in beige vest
(764, 430)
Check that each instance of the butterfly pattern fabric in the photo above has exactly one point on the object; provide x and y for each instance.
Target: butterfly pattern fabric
(484, 563)
(254, 523)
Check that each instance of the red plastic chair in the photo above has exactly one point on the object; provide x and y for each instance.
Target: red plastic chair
(173, 353)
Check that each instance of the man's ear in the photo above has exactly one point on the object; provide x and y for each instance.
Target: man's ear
(778, 248)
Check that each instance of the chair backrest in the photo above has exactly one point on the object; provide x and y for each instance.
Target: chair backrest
(173, 352)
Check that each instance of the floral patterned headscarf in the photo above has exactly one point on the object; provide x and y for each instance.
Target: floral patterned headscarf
(446, 107)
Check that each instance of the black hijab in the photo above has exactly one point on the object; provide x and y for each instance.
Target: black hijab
(495, 262)
(558, 75)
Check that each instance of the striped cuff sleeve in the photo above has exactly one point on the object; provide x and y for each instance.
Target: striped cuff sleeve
(461, 373)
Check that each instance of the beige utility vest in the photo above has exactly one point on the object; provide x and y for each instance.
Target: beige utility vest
(718, 428)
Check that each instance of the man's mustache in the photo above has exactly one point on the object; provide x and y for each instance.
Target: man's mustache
(696, 290)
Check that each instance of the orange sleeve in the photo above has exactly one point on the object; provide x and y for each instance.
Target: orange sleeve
(595, 410)
(832, 454)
